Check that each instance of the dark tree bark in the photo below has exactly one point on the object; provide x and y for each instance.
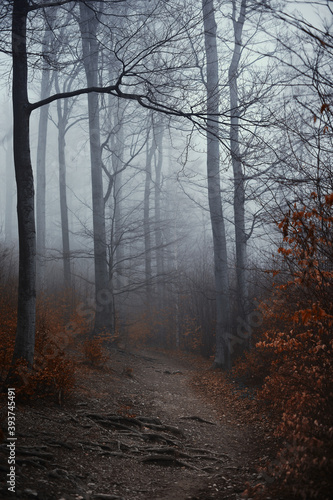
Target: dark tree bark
(26, 315)
(239, 185)
(103, 290)
(222, 354)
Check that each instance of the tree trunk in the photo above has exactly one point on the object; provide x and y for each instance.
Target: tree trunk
(158, 138)
(158, 230)
(146, 223)
(62, 122)
(118, 222)
(41, 169)
(103, 293)
(118, 225)
(41, 182)
(26, 314)
(9, 190)
(239, 187)
(222, 354)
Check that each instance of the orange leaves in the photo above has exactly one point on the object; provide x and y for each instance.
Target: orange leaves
(293, 361)
(285, 251)
(307, 241)
(94, 351)
(329, 199)
(52, 375)
(324, 107)
(313, 314)
(8, 296)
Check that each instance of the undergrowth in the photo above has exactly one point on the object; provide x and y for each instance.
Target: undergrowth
(60, 347)
(292, 362)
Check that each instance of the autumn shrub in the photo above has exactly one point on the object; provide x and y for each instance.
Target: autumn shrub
(192, 338)
(8, 306)
(52, 377)
(8, 328)
(294, 358)
(142, 329)
(52, 374)
(94, 349)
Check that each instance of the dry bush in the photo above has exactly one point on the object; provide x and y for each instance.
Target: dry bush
(8, 329)
(52, 374)
(192, 336)
(294, 358)
(142, 331)
(94, 350)
(8, 306)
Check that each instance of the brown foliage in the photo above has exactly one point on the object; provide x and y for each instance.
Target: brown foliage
(294, 358)
(94, 350)
(52, 374)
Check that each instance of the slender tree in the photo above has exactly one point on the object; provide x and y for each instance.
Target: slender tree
(104, 305)
(26, 314)
(238, 175)
(222, 354)
(150, 151)
(63, 113)
(131, 82)
(8, 139)
(45, 89)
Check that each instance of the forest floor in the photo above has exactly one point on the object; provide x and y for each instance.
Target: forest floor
(149, 425)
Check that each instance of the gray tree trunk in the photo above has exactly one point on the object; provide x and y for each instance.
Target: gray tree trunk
(118, 222)
(239, 186)
(26, 313)
(62, 112)
(103, 290)
(41, 169)
(9, 190)
(158, 138)
(150, 151)
(118, 226)
(222, 354)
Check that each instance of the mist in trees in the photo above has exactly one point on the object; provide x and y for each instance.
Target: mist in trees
(163, 141)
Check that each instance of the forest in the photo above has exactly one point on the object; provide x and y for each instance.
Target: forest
(166, 258)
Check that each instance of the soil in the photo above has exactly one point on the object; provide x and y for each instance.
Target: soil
(141, 428)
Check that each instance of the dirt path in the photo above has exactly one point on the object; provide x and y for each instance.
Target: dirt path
(169, 395)
(137, 432)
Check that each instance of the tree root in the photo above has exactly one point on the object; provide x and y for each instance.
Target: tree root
(167, 460)
(199, 419)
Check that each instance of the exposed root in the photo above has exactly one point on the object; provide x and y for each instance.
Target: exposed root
(199, 419)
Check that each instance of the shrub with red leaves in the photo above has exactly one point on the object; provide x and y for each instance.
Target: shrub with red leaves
(293, 361)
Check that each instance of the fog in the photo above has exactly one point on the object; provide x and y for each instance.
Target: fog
(129, 203)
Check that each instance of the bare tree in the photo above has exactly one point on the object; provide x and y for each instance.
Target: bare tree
(7, 143)
(222, 354)
(64, 110)
(150, 92)
(45, 89)
(150, 150)
(104, 312)
(238, 177)
(26, 315)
